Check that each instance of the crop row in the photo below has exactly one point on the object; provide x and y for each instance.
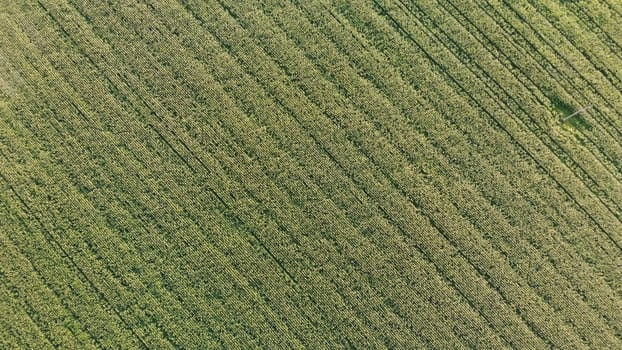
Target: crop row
(518, 106)
(331, 61)
(244, 139)
(112, 167)
(499, 154)
(282, 50)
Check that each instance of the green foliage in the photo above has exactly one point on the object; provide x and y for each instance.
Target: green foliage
(310, 174)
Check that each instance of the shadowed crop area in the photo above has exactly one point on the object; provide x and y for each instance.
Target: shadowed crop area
(323, 174)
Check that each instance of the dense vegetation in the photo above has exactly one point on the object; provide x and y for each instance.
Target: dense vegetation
(311, 174)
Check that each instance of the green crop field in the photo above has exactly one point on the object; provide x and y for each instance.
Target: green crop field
(322, 174)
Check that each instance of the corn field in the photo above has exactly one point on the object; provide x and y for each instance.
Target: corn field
(323, 174)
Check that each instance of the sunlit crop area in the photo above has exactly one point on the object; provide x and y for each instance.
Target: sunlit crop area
(323, 174)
